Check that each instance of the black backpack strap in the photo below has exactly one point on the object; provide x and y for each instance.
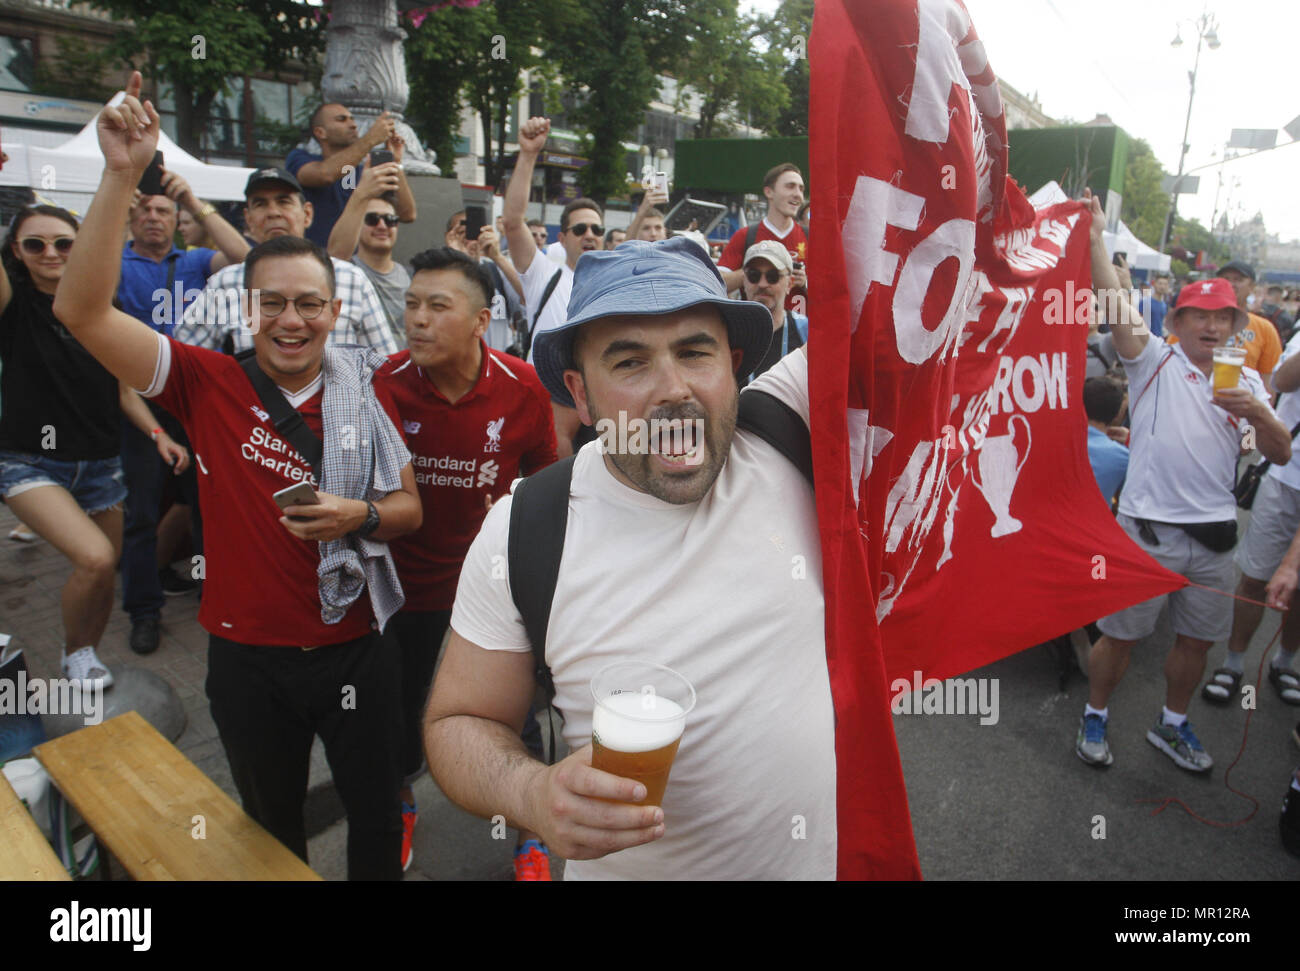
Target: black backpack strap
(546, 295)
(288, 423)
(780, 426)
(751, 234)
(539, 516)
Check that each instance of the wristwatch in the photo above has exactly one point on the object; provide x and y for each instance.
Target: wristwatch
(372, 521)
(207, 210)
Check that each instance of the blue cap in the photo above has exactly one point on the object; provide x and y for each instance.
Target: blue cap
(646, 278)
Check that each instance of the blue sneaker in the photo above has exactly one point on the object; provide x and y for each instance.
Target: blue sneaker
(1180, 744)
(1091, 744)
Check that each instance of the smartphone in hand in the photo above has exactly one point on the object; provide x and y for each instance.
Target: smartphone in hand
(298, 494)
(151, 181)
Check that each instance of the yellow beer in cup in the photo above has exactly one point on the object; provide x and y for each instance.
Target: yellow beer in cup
(638, 721)
(1228, 362)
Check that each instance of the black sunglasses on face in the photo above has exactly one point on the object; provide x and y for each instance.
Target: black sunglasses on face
(773, 276)
(580, 229)
(372, 219)
(36, 246)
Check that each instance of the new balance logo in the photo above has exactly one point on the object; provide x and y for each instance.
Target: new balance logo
(259, 413)
(412, 427)
(487, 474)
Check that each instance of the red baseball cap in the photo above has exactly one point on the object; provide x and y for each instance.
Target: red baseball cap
(1215, 294)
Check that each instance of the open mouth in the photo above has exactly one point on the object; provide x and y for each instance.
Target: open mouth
(289, 344)
(680, 444)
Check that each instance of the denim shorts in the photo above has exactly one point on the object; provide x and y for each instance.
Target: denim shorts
(96, 485)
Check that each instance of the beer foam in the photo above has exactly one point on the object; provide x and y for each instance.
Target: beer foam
(633, 722)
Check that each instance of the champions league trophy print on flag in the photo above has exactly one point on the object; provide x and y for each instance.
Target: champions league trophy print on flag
(999, 468)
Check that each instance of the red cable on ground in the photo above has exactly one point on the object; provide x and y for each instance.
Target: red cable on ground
(1245, 735)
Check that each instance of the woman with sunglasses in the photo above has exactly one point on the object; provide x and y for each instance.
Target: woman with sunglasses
(59, 433)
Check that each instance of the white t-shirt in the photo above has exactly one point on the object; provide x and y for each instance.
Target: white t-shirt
(1183, 450)
(535, 281)
(555, 253)
(1288, 412)
(728, 592)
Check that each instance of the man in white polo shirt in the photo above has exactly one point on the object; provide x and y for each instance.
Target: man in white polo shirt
(1274, 521)
(1177, 503)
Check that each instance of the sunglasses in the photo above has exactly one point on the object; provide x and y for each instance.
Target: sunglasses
(272, 305)
(580, 229)
(373, 218)
(773, 276)
(36, 246)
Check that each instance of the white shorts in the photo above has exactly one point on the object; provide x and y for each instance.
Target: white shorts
(1274, 519)
(1193, 612)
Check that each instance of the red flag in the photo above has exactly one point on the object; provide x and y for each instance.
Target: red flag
(949, 333)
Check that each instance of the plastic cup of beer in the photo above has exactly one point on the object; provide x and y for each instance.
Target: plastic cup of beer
(638, 721)
(1228, 362)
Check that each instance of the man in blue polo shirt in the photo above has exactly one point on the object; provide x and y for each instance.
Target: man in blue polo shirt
(156, 278)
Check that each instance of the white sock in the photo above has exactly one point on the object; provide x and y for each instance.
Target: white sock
(1172, 718)
(1089, 710)
(1283, 658)
(1235, 662)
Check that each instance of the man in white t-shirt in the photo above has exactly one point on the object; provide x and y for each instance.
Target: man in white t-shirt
(1274, 522)
(653, 537)
(1177, 502)
(546, 302)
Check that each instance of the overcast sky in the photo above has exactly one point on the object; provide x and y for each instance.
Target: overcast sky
(1085, 57)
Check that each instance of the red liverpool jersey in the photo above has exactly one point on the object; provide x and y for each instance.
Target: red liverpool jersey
(463, 452)
(260, 584)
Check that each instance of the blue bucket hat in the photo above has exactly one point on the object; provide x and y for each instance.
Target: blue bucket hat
(646, 278)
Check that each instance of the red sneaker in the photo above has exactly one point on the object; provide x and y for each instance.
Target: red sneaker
(409, 816)
(532, 861)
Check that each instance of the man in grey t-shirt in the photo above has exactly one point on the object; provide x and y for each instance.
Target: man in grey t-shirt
(366, 233)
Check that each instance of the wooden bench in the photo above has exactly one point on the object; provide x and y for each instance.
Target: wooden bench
(25, 853)
(140, 795)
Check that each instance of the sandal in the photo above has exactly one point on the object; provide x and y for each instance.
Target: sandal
(1223, 680)
(1286, 682)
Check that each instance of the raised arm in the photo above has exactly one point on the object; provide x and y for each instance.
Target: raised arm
(649, 200)
(404, 201)
(329, 170)
(532, 137)
(1127, 327)
(375, 181)
(128, 134)
(489, 247)
(231, 245)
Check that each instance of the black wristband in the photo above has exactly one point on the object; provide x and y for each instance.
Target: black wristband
(372, 521)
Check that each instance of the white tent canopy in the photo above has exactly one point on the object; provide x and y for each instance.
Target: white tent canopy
(76, 166)
(1140, 256)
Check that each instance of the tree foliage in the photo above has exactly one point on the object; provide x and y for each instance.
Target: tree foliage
(1146, 204)
(728, 75)
(197, 45)
(786, 33)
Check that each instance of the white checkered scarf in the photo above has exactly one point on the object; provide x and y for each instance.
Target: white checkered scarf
(359, 440)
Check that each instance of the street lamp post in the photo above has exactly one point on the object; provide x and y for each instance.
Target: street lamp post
(1207, 33)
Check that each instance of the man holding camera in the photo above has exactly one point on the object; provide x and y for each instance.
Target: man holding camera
(329, 178)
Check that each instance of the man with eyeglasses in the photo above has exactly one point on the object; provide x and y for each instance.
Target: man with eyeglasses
(157, 280)
(274, 206)
(366, 233)
(294, 593)
(767, 272)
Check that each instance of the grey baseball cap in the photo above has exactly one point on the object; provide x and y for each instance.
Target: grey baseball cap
(644, 278)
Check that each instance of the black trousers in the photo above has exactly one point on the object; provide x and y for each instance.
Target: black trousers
(418, 636)
(269, 702)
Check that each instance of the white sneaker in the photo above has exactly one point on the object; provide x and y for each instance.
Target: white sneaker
(22, 534)
(85, 666)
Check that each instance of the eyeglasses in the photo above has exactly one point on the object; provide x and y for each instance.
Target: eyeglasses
(35, 245)
(773, 275)
(272, 305)
(373, 218)
(581, 229)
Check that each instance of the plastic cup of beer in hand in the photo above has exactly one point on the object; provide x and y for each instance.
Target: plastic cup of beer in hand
(638, 721)
(1228, 362)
